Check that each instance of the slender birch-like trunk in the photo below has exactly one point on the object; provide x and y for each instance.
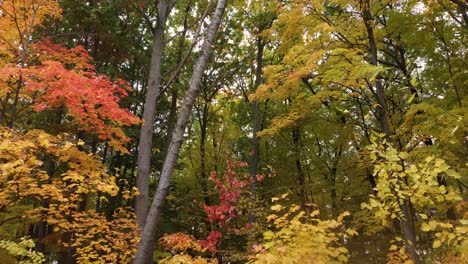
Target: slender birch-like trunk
(152, 95)
(174, 147)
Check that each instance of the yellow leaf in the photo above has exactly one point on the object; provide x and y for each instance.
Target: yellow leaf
(315, 213)
(425, 227)
(271, 217)
(44, 142)
(276, 207)
(268, 235)
(351, 232)
(436, 244)
(294, 208)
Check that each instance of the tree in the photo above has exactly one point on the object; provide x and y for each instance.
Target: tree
(18, 22)
(354, 106)
(48, 101)
(399, 180)
(176, 140)
(153, 92)
(221, 217)
(27, 180)
(353, 62)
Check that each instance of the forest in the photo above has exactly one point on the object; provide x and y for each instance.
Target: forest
(243, 131)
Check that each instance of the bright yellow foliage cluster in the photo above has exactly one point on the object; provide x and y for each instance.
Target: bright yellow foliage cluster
(38, 167)
(298, 237)
(26, 158)
(422, 183)
(185, 258)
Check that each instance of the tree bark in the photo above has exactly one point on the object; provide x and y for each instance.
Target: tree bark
(177, 138)
(146, 134)
(296, 136)
(43, 227)
(171, 122)
(382, 108)
(152, 95)
(175, 78)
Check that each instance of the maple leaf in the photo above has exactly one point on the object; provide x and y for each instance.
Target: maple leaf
(66, 78)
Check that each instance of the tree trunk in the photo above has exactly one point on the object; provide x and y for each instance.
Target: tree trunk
(380, 93)
(296, 136)
(174, 91)
(172, 118)
(152, 95)
(256, 123)
(43, 227)
(174, 148)
(203, 121)
(407, 223)
(146, 134)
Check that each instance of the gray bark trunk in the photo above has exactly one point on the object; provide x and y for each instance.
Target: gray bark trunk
(177, 138)
(152, 95)
(146, 134)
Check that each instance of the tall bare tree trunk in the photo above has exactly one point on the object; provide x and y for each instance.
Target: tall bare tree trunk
(146, 134)
(177, 138)
(152, 95)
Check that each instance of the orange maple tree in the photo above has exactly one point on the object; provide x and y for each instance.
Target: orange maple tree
(52, 77)
(65, 78)
(46, 177)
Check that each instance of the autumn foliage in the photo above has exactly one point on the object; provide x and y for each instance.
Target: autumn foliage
(295, 234)
(48, 181)
(40, 167)
(62, 79)
(230, 188)
(358, 107)
(91, 100)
